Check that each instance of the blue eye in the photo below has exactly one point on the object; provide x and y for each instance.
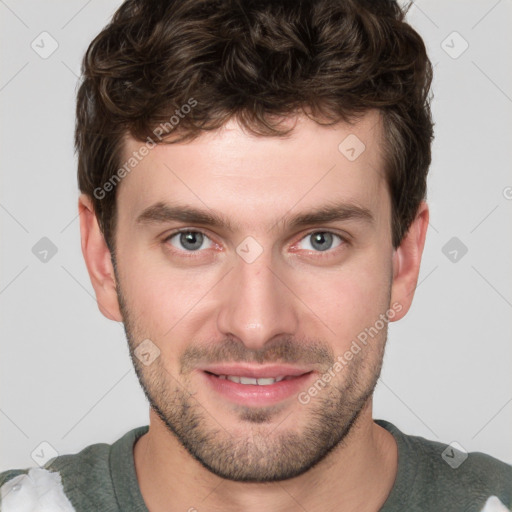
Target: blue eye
(190, 241)
(321, 241)
(193, 241)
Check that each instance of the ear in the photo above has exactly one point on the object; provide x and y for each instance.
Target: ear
(406, 262)
(98, 260)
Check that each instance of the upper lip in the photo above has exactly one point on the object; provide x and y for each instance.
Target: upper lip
(256, 371)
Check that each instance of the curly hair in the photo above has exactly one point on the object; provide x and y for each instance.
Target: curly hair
(258, 61)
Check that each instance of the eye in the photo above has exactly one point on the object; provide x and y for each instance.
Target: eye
(188, 240)
(321, 241)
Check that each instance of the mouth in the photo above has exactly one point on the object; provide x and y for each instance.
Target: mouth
(261, 381)
(256, 386)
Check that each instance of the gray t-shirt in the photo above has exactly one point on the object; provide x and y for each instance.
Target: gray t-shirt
(432, 477)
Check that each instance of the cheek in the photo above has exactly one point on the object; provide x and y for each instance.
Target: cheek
(350, 300)
(163, 301)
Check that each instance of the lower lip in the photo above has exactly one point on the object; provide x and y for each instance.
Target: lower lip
(255, 395)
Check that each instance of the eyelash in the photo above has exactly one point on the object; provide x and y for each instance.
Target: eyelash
(192, 254)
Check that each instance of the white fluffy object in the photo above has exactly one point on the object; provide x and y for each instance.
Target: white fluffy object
(494, 504)
(38, 491)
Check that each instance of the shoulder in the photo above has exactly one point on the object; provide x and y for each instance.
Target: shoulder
(460, 468)
(67, 476)
(35, 489)
(442, 473)
(84, 477)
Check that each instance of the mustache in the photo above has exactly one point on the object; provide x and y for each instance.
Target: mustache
(283, 350)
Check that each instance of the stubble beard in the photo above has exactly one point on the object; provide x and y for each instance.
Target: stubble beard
(257, 449)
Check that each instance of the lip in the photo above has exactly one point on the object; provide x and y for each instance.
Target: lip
(257, 371)
(256, 395)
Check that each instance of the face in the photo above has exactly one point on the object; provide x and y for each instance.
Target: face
(274, 290)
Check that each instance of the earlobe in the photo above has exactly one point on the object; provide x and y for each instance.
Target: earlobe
(407, 260)
(98, 260)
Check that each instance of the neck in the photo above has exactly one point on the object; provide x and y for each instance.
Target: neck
(356, 475)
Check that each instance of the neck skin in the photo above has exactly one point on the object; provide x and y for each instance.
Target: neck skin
(358, 475)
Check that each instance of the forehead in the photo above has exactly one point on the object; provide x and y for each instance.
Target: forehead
(246, 175)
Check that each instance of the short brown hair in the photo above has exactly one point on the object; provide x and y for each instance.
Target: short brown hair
(253, 60)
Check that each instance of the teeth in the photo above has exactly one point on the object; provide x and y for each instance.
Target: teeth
(248, 380)
(251, 380)
(266, 382)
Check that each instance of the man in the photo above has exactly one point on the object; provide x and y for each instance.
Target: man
(253, 178)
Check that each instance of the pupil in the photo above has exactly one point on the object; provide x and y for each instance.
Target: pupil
(191, 240)
(321, 238)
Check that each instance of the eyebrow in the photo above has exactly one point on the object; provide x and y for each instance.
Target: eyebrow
(160, 213)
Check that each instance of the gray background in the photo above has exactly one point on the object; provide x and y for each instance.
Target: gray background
(66, 377)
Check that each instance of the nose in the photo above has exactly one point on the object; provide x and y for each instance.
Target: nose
(256, 304)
